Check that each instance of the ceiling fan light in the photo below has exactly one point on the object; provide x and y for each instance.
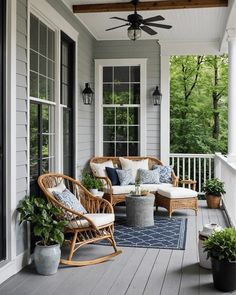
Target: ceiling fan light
(134, 33)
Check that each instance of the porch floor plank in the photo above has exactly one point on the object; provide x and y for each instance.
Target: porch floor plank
(173, 275)
(140, 279)
(157, 276)
(135, 271)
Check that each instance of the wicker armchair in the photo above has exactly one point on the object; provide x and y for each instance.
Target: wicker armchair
(94, 226)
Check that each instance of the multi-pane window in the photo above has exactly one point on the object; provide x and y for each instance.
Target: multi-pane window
(42, 100)
(121, 110)
(42, 60)
(42, 139)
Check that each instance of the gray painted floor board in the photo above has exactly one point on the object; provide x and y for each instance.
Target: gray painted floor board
(139, 281)
(155, 281)
(122, 282)
(136, 271)
(173, 274)
(110, 276)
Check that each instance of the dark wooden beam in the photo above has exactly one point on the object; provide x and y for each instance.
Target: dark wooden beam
(150, 5)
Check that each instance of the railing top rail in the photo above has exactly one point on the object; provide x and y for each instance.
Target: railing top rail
(223, 161)
(172, 155)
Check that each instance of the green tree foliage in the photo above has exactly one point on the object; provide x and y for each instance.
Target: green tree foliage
(198, 106)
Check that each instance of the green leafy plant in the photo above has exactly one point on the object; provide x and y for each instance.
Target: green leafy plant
(221, 245)
(214, 187)
(44, 218)
(90, 182)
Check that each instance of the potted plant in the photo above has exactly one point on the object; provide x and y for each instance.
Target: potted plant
(91, 183)
(213, 189)
(45, 222)
(221, 247)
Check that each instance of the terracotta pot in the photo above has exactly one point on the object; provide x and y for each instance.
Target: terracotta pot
(213, 202)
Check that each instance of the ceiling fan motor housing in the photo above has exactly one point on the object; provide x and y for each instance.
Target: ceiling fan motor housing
(135, 20)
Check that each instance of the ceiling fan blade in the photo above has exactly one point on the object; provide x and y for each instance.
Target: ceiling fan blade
(117, 27)
(119, 18)
(148, 30)
(153, 19)
(159, 26)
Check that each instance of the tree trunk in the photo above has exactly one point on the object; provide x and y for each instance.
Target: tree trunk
(215, 99)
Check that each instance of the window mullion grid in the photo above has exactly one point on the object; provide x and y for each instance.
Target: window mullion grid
(46, 58)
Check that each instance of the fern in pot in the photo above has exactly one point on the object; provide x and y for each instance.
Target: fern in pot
(46, 224)
(221, 248)
(213, 188)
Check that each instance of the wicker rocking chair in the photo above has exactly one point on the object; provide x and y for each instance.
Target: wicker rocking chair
(96, 225)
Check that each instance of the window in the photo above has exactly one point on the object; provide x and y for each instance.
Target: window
(42, 100)
(2, 193)
(42, 141)
(67, 102)
(42, 60)
(122, 89)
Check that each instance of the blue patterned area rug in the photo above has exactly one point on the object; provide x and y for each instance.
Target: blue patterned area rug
(167, 233)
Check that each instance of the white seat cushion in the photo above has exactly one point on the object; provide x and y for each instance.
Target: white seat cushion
(176, 192)
(126, 189)
(99, 219)
(155, 187)
(122, 189)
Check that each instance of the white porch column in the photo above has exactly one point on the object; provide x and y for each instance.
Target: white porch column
(165, 110)
(232, 95)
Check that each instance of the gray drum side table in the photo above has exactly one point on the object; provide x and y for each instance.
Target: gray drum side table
(139, 210)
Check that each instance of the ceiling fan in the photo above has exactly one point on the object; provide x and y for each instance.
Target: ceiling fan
(136, 23)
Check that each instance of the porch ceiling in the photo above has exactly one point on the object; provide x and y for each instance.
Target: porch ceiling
(189, 25)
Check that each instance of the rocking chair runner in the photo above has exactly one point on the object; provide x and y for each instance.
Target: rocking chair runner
(94, 226)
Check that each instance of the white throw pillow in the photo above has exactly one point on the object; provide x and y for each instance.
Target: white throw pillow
(133, 165)
(100, 168)
(59, 188)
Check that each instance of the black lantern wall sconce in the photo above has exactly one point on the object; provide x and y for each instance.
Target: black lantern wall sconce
(87, 95)
(157, 96)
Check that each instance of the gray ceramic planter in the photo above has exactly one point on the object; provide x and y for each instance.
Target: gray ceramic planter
(47, 258)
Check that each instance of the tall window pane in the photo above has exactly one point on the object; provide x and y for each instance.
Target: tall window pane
(67, 100)
(42, 60)
(42, 141)
(121, 108)
(42, 114)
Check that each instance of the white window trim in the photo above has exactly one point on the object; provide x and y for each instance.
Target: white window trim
(10, 136)
(99, 64)
(46, 13)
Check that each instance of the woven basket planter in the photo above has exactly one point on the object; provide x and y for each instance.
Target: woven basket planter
(213, 202)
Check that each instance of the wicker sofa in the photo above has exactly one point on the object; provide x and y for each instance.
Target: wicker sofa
(116, 194)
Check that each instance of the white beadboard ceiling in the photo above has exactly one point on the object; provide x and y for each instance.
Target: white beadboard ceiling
(189, 25)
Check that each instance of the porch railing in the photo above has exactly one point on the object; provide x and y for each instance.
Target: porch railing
(199, 167)
(227, 173)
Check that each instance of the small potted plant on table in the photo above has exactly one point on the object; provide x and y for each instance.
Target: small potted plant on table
(91, 183)
(221, 248)
(46, 224)
(213, 188)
